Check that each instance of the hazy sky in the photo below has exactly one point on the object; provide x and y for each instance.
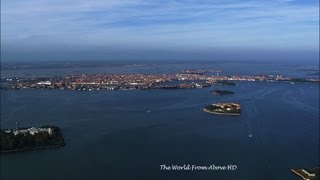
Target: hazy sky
(159, 29)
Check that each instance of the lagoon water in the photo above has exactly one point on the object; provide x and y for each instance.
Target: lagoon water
(129, 134)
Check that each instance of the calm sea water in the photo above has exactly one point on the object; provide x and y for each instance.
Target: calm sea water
(129, 134)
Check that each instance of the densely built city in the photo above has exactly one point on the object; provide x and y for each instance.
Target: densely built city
(184, 79)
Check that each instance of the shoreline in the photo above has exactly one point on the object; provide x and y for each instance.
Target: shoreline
(296, 173)
(304, 175)
(232, 114)
(30, 149)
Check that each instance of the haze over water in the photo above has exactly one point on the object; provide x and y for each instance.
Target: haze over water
(129, 134)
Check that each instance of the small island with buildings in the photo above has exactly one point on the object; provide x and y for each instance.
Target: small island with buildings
(223, 108)
(31, 138)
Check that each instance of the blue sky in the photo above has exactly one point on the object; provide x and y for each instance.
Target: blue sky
(159, 29)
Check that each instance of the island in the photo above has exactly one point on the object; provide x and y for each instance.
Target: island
(31, 138)
(221, 92)
(223, 108)
(311, 174)
(189, 79)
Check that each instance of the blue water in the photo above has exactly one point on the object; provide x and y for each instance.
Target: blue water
(129, 134)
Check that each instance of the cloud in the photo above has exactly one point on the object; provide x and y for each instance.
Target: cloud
(180, 24)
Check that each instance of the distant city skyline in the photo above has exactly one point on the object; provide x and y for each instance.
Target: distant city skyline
(140, 29)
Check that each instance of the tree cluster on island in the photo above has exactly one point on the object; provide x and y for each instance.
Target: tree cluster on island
(221, 92)
(22, 142)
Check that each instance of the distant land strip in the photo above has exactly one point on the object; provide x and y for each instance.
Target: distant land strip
(182, 80)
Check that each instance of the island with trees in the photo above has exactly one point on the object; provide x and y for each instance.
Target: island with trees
(31, 138)
(221, 92)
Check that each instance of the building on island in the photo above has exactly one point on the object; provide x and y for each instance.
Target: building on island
(44, 83)
(32, 131)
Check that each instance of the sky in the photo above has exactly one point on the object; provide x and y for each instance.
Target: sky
(159, 29)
